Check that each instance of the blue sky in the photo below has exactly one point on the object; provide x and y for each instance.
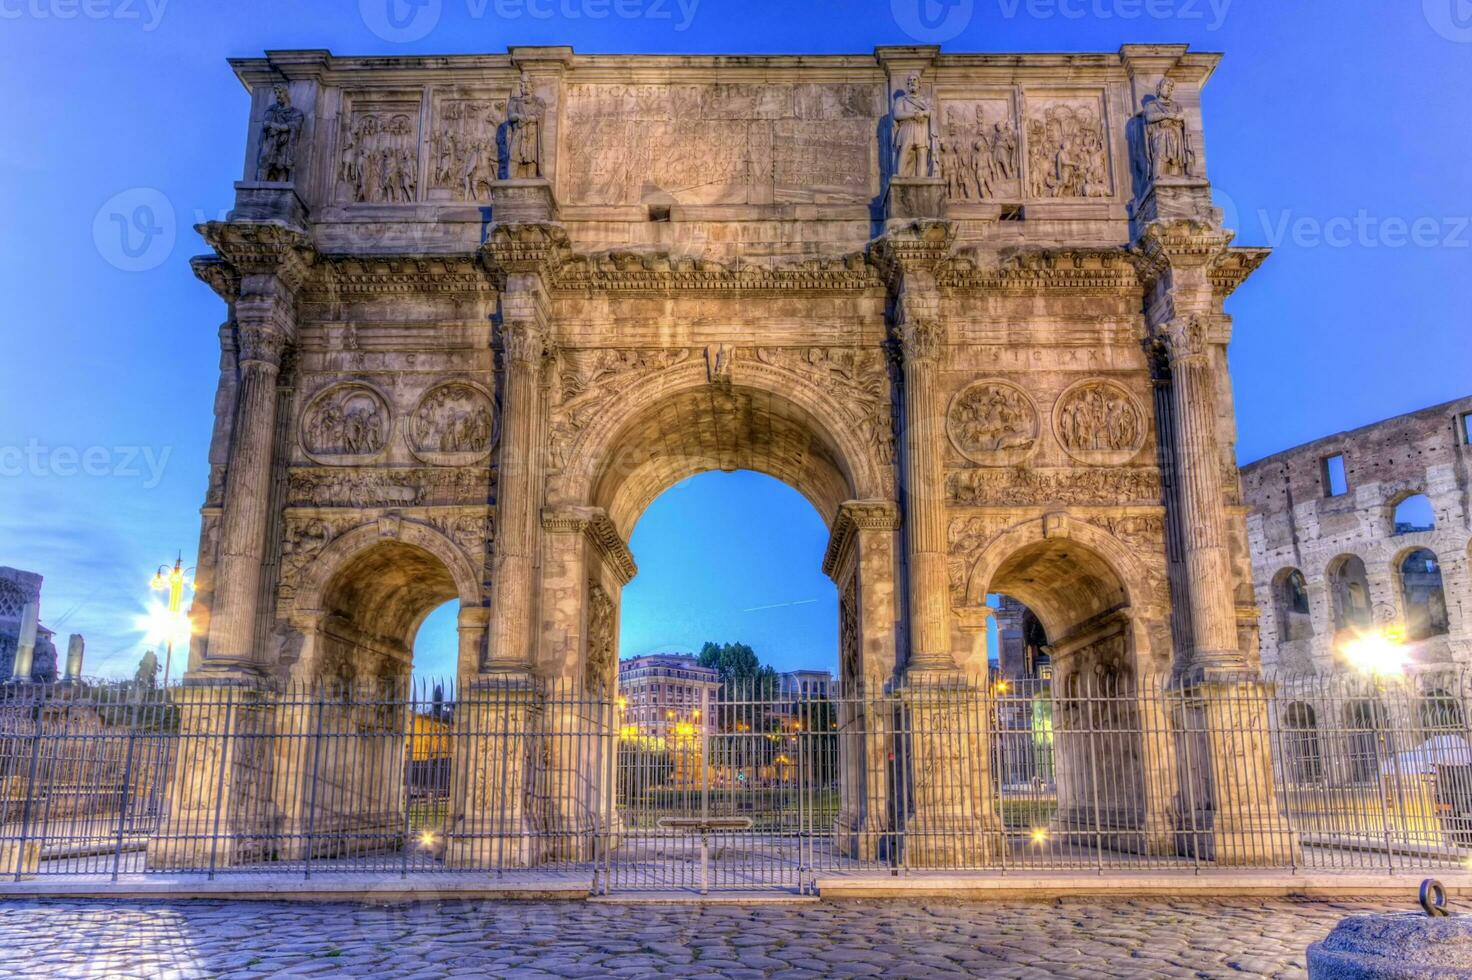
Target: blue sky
(1337, 132)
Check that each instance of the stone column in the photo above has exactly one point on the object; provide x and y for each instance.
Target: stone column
(512, 646)
(25, 643)
(1199, 496)
(493, 822)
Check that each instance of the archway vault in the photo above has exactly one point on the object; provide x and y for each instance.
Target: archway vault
(757, 417)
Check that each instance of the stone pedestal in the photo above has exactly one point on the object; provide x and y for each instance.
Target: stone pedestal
(1238, 823)
(1177, 199)
(523, 201)
(494, 821)
(259, 200)
(19, 858)
(909, 198)
(953, 823)
(219, 811)
(1394, 947)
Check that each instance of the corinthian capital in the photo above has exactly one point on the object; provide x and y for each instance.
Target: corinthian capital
(920, 338)
(524, 342)
(1186, 338)
(261, 343)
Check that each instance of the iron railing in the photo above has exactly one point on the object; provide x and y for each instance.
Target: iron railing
(740, 787)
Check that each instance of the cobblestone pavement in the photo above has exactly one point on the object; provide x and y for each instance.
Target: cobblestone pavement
(1075, 938)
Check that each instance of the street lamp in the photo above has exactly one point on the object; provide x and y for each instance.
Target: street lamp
(170, 623)
(1379, 653)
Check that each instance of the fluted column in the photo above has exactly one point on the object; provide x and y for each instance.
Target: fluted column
(1204, 544)
(511, 634)
(922, 342)
(264, 333)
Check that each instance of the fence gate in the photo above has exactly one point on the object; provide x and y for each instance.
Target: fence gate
(732, 793)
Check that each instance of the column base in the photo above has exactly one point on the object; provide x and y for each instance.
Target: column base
(523, 201)
(938, 842)
(909, 198)
(260, 200)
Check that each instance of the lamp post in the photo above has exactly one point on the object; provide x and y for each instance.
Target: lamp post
(175, 622)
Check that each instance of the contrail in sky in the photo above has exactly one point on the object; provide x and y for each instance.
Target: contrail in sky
(781, 605)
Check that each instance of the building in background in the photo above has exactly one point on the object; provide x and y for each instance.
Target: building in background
(805, 685)
(1362, 531)
(661, 690)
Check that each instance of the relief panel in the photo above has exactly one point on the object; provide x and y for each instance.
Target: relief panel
(980, 149)
(378, 150)
(464, 157)
(1067, 147)
(453, 425)
(346, 424)
(1099, 422)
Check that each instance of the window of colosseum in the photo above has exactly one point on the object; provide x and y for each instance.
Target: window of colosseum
(1351, 591)
(1292, 604)
(1440, 712)
(1336, 476)
(1467, 428)
(1421, 586)
(1414, 515)
(1366, 721)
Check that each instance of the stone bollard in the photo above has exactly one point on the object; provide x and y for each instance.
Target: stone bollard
(1404, 946)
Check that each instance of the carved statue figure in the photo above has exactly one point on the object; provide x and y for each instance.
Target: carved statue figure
(914, 137)
(1067, 154)
(602, 641)
(348, 422)
(524, 114)
(276, 159)
(1169, 150)
(1099, 418)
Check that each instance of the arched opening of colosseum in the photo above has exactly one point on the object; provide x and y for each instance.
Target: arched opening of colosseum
(1349, 587)
(373, 746)
(1290, 599)
(1104, 771)
(1413, 515)
(1423, 594)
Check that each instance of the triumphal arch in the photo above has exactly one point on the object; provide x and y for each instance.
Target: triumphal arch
(482, 310)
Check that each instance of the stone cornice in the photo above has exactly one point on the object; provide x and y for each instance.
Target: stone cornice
(348, 275)
(663, 271)
(923, 244)
(218, 274)
(1164, 247)
(855, 516)
(534, 248)
(1234, 266)
(1089, 270)
(263, 248)
(595, 525)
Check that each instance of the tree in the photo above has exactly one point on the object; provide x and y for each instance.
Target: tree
(742, 673)
(147, 675)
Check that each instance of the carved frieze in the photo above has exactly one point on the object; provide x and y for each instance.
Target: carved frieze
(588, 379)
(397, 487)
(1067, 149)
(346, 425)
(993, 423)
(378, 152)
(464, 158)
(857, 379)
(980, 152)
(473, 532)
(453, 425)
(719, 143)
(967, 537)
(1098, 422)
(598, 669)
(1019, 486)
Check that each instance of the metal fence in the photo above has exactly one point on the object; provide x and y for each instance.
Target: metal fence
(740, 787)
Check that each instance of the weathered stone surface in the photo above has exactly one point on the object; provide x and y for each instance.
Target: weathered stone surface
(1410, 946)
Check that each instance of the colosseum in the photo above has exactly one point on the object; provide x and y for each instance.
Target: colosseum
(1366, 529)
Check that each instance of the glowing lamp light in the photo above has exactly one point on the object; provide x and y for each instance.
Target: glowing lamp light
(1381, 652)
(428, 840)
(159, 625)
(1039, 835)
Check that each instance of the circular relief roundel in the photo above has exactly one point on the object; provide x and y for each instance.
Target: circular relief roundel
(346, 424)
(1098, 421)
(993, 422)
(454, 424)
